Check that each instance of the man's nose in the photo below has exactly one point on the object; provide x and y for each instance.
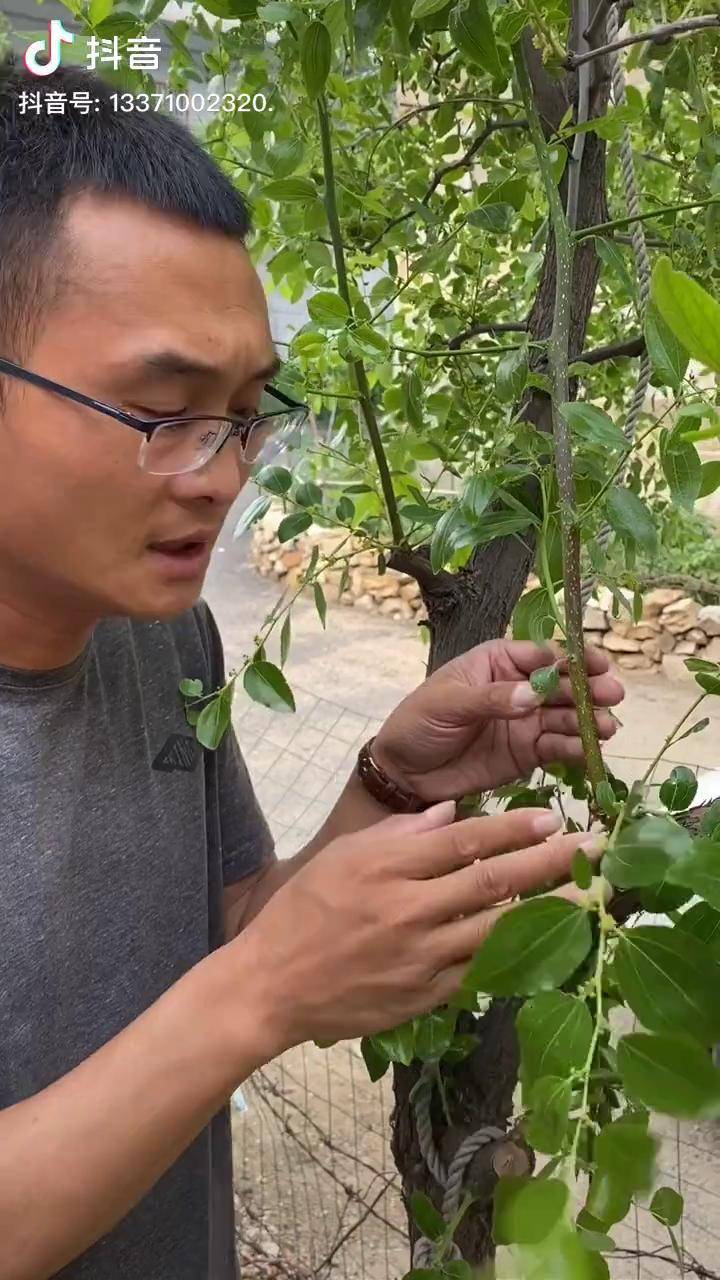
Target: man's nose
(219, 481)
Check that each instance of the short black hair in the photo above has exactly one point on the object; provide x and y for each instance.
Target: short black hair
(46, 158)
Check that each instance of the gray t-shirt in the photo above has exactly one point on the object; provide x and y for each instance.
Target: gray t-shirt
(118, 834)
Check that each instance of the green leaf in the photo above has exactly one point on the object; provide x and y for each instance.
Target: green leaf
(375, 1061)
(682, 469)
(214, 719)
(699, 870)
(695, 728)
(345, 509)
(667, 354)
(669, 980)
(643, 852)
(679, 790)
(710, 820)
(527, 1210)
(537, 945)
(320, 603)
(315, 57)
(491, 217)
(582, 871)
(511, 375)
(434, 1034)
(265, 683)
(708, 680)
(191, 688)
(293, 525)
(472, 33)
(290, 191)
(625, 1162)
(253, 512)
(428, 1218)
(285, 637)
(593, 425)
(545, 681)
(451, 532)
(98, 10)
(308, 494)
(328, 309)
(702, 922)
(412, 393)
(550, 1101)
(276, 480)
(606, 799)
(709, 479)
(555, 1032)
(667, 1206)
(398, 1044)
(630, 518)
(533, 618)
(689, 312)
(476, 495)
(672, 1074)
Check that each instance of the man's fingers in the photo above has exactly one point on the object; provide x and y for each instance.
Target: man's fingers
(605, 690)
(437, 853)
(564, 720)
(461, 939)
(495, 880)
(527, 657)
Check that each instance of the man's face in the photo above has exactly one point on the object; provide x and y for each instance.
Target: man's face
(82, 527)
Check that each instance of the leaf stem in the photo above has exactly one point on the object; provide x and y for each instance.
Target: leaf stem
(356, 365)
(558, 353)
(670, 739)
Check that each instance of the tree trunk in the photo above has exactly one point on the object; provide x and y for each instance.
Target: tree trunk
(466, 609)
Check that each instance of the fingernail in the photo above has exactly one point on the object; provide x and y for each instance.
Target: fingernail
(524, 696)
(545, 823)
(439, 814)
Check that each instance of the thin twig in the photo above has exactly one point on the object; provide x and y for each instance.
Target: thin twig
(558, 352)
(602, 228)
(358, 368)
(659, 35)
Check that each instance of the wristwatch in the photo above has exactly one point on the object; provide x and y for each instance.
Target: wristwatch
(382, 788)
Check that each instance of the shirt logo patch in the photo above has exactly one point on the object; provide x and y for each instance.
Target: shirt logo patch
(178, 753)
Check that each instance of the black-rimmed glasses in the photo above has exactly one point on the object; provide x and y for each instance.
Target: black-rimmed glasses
(173, 446)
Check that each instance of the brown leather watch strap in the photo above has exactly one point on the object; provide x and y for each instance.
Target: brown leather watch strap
(382, 788)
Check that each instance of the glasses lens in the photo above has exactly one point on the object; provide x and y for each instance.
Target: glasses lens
(182, 446)
(274, 436)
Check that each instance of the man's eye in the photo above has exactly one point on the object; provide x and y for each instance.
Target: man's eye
(143, 411)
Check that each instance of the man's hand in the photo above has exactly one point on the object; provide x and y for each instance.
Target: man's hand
(380, 926)
(477, 724)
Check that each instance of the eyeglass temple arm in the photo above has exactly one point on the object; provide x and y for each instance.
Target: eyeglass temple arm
(288, 400)
(47, 384)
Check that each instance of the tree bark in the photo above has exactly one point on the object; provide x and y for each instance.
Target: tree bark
(466, 609)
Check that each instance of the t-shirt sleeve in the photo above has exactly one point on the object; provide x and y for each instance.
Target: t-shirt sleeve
(245, 839)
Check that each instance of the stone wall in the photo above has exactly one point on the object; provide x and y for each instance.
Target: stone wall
(673, 626)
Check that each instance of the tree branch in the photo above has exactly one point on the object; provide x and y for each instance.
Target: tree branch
(657, 35)
(502, 326)
(493, 126)
(604, 228)
(366, 404)
(630, 347)
(559, 359)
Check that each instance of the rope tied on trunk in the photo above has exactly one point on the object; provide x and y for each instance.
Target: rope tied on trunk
(450, 1178)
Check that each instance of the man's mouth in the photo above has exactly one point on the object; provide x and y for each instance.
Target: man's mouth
(181, 548)
(183, 557)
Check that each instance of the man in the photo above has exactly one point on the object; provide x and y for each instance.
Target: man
(126, 1018)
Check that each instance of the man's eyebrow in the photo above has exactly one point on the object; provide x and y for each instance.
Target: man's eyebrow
(175, 363)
